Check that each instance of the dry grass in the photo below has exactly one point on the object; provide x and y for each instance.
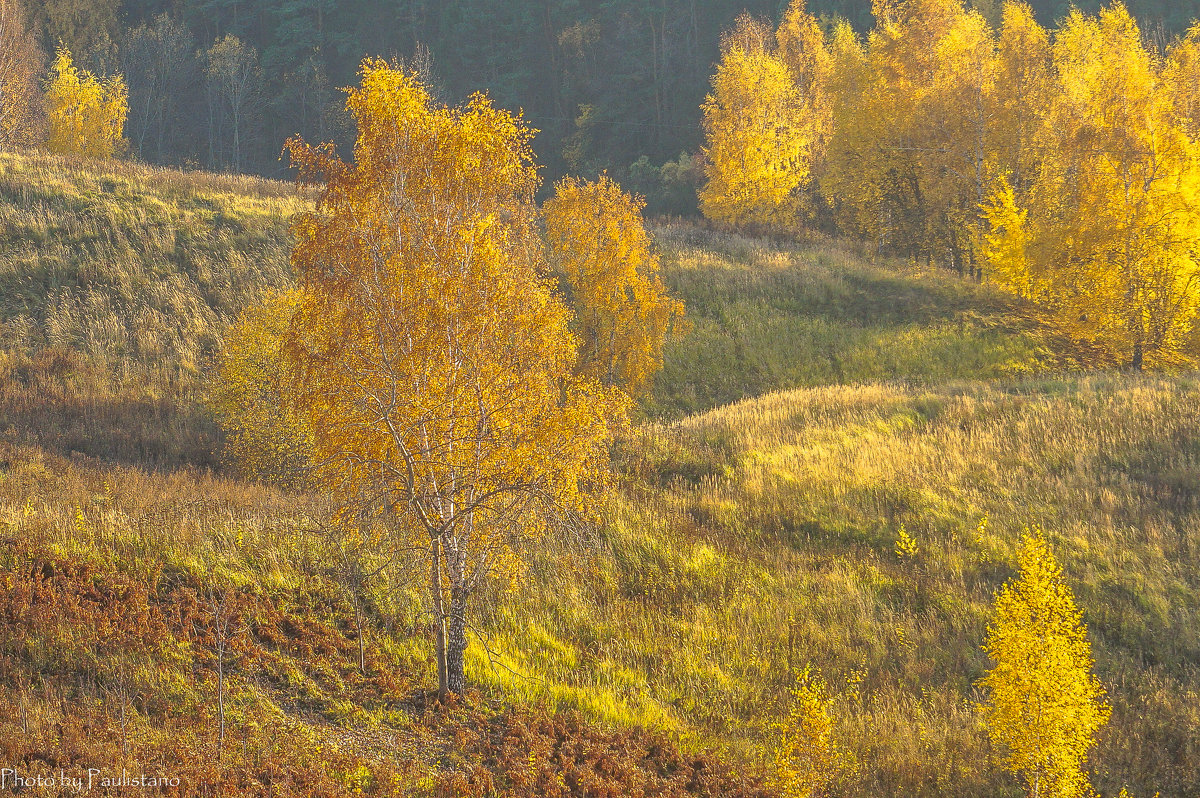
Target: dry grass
(136, 268)
(746, 539)
(116, 284)
(761, 536)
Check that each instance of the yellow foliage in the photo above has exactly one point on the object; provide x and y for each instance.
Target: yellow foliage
(428, 354)
(806, 757)
(909, 160)
(86, 114)
(1006, 243)
(264, 435)
(623, 313)
(1044, 706)
(906, 545)
(801, 46)
(1110, 225)
(1181, 79)
(758, 141)
(1022, 94)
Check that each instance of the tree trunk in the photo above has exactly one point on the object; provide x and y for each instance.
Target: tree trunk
(457, 642)
(1136, 363)
(439, 618)
(358, 627)
(221, 683)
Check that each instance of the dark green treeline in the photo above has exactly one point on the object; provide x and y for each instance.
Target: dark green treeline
(612, 84)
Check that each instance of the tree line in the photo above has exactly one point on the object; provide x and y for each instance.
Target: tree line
(1061, 163)
(610, 84)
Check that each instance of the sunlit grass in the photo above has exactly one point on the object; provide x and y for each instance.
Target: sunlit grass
(760, 537)
(768, 316)
(747, 538)
(136, 268)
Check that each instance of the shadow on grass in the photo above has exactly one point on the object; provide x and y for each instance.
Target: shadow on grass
(155, 434)
(69, 405)
(773, 319)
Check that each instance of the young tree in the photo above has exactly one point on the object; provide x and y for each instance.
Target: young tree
(86, 114)
(1006, 243)
(265, 437)
(807, 757)
(1044, 706)
(428, 354)
(21, 112)
(622, 312)
(758, 136)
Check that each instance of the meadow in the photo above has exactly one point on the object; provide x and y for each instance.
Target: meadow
(149, 597)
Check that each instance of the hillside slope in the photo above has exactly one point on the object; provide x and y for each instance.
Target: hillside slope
(761, 537)
(747, 539)
(116, 283)
(767, 316)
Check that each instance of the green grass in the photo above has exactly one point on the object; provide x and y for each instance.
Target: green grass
(769, 316)
(819, 402)
(761, 536)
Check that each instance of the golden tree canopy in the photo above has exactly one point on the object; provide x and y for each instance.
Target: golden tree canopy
(758, 139)
(428, 352)
(1112, 213)
(86, 114)
(623, 313)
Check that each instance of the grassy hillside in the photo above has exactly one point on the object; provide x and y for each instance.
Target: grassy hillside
(761, 536)
(747, 539)
(116, 282)
(767, 316)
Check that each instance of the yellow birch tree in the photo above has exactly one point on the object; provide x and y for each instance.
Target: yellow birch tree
(1022, 95)
(430, 357)
(801, 46)
(1114, 211)
(757, 137)
(21, 62)
(623, 314)
(265, 437)
(86, 114)
(806, 757)
(1044, 706)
